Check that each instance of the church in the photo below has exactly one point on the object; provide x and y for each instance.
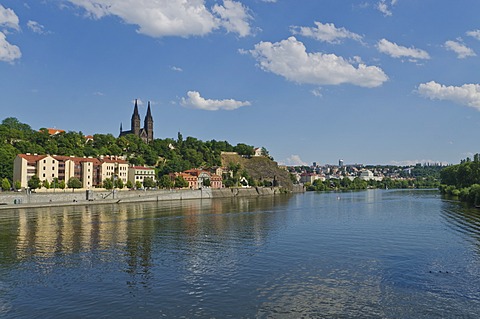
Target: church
(145, 133)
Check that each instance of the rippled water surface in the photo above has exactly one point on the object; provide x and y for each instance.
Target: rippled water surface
(371, 254)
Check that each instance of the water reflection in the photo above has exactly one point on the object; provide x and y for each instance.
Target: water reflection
(463, 219)
(380, 254)
(131, 228)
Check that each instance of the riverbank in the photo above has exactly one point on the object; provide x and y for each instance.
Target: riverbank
(95, 197)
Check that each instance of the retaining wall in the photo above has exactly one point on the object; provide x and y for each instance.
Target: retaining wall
(61, 198)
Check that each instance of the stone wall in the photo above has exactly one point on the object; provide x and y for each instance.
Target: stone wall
(61, 197)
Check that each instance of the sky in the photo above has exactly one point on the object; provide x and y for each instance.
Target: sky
(370, 82)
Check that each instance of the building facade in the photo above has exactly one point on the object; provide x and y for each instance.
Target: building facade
(196, 178)
(139, 173)
(145, 132)
(90, 171)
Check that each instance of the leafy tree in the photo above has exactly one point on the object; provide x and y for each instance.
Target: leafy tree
(129, 184)
(119, 183)
(180, 182)
(244, 149)
(74, 183)
(138, 185)
(108, 183)
(165, 182)
(17, 185)
(148, 182)
(6, 184)
(61, 185)
(46, 184)
(207, 183)
(34, 182)
(54, 183)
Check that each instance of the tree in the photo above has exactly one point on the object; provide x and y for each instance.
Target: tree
(206, 182)
(244, 149)
(74, 183)
(54, 183)
(6, 184)
(148, 182)
(138, 185)
(34, 182)
(17, 185)
(129, 184)
(61, 185)
(165, 182)
(46, 184)
(108, 183)
(119, 183)
(180, 182)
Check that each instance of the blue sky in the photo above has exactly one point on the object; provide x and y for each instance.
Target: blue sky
(372, 82)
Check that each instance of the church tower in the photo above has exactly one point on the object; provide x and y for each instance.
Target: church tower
(145, 132)
(148, 125)
(136, 120)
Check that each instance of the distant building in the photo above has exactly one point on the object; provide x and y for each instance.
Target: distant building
(196, 178)
(340, 162)
(145, 133)
(54, 131)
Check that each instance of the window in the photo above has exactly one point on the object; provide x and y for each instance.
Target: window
(43, 175)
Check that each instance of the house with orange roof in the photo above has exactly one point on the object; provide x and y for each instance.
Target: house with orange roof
(198, 178)
(54, 131)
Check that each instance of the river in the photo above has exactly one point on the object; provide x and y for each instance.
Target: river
(369, 254)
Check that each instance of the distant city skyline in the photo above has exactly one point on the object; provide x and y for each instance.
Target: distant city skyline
(390, 82)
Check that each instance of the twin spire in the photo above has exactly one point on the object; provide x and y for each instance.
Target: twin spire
(146, 133)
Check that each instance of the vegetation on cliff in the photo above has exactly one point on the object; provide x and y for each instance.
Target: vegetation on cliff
(257, 171)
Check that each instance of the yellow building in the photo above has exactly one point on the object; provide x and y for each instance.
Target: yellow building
(90, 171)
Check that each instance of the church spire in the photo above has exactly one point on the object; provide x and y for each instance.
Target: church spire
(136, 120)
(148, 125)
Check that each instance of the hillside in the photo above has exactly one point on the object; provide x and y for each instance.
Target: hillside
(260, 168)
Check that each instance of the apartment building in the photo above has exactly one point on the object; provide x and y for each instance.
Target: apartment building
(139, 173)
(90, 171)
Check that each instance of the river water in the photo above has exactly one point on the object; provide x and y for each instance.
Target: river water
(370, 254)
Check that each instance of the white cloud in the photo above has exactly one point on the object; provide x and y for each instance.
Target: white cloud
(382, 6)
(326, 32)
(396, 51)
(294, 160)
(467, 94)
(317, 92)
(460, 49)
(195, 101)
(474, 33)
(159, 18)
(176, 69)
(289, 59)
(234, 17)
(36, 27)
(8, 18)
(8, 52)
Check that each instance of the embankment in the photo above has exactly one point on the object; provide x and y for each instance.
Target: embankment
(9, 200)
